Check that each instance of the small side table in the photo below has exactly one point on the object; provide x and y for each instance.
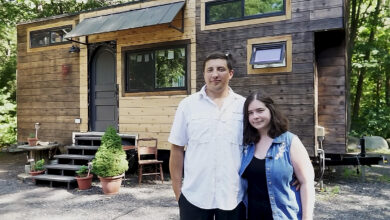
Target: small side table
(38, 152)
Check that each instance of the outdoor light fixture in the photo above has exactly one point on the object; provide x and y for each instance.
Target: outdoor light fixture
(37, 126)
(74, 49)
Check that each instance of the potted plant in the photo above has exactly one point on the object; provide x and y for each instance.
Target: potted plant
(110, 162)
(84, 177)
(32, 140)
(38, 168)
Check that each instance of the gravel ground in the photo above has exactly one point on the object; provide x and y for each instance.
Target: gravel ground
(345, 196)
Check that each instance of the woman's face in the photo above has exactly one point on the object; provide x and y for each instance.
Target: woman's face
(259, 115)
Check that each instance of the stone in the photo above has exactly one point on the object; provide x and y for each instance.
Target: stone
(376, 143)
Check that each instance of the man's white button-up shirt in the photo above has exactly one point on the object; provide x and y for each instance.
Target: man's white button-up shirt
(213, 140)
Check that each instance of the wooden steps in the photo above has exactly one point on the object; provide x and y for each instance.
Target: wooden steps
(83, 151)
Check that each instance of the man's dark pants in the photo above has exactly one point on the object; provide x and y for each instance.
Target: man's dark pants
(191, 212)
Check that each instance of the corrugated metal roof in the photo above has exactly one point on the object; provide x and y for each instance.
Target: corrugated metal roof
(161, 14)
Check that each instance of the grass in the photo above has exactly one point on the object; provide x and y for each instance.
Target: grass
(328, 192)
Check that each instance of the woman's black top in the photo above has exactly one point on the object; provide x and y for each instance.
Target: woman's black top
(259, 206)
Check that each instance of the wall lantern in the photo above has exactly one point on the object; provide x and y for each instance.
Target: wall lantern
(74, 49)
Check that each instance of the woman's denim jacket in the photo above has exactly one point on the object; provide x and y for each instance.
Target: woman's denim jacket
(284, 198)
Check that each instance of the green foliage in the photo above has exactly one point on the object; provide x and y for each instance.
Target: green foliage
(373, 59)
(83, 171)
(7, 117)
(110, 159)
(39, 165)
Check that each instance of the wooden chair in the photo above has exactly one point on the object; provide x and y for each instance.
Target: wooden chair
(147, 155)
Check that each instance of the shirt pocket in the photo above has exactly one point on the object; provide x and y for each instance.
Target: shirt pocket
(199, 128)
(234, 126)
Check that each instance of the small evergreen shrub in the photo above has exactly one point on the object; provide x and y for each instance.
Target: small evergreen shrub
(110, 159)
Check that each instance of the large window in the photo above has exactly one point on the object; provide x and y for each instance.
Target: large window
(235, 10)
(48, 37)
(157, 69)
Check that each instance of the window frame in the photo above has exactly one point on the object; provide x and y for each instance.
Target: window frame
(269, 64)
(154, 49)
(49, 32)
(243, 17)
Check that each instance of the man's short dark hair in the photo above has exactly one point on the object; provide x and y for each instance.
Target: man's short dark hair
(278, 122)
(218, 55)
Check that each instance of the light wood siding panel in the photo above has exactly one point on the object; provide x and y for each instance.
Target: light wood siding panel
(44, 94)
(294, 91)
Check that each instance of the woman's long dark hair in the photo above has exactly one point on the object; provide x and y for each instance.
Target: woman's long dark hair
(278, 122)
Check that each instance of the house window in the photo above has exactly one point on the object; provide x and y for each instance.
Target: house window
(236, 10)
(268, 55)
(159, 69)
(48, 37)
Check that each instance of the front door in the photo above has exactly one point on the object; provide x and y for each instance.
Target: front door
(103, 93)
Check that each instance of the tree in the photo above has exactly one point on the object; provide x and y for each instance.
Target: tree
(368, 52)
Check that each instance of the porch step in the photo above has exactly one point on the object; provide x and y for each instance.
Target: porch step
(55, 178)
(75, 157)
(82, 147)
(88, 138)
(63, 167)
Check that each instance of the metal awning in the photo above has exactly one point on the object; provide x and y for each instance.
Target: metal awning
(161, 14)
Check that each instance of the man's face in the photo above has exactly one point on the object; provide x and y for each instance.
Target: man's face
(217, 75)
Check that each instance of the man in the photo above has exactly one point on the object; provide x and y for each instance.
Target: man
(209, 124)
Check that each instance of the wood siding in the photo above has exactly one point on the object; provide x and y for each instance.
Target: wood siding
(294, 91)
(332, 104)
(44, 94)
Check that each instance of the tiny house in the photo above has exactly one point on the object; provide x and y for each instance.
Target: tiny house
(129, 65)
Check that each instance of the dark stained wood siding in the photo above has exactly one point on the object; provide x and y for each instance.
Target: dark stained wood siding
(44, 94)
(293, 91)
(332, 104)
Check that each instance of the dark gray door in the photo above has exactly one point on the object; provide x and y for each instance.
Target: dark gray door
(103, 89)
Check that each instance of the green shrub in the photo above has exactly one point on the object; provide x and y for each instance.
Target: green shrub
(83, 171)
(110, 159)
(39, 165)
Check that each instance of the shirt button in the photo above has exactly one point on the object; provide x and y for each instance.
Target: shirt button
(269, 183)
(267, 168)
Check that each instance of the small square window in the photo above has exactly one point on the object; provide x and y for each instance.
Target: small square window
(268, 55)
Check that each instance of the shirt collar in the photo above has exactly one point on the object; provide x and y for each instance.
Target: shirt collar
(203, 93)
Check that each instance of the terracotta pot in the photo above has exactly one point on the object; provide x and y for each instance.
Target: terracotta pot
(84, 182)
(112, 184)
(36, 173)
(32, 141)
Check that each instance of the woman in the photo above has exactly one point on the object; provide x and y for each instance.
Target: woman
(272, 158)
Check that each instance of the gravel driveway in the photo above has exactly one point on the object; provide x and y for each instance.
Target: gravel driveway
(346, 197)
